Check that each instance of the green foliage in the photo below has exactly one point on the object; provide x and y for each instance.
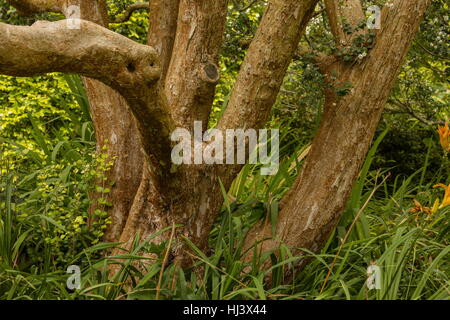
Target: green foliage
(360, 46)
(49, 165)
(136, 28)
(49, 168)
(51, 206)
(410, 248)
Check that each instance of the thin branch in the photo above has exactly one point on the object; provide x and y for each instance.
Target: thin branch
(430, 52)
(406, 109)
(248, 6)
(130, 10)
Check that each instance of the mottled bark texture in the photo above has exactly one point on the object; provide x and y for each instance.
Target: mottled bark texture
(317, 199)
(37, 6)
(52, 47)
(115, 129)
(146, 91)
(115, 126)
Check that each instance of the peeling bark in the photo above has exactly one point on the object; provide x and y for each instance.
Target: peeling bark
(314, 205)
(265, 65)
(146, 91)
(197, 44)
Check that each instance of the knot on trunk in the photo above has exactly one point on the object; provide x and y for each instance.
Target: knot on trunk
(209, 73)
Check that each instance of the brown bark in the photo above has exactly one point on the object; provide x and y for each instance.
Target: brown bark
(114, 123)
(263, 70)
(37, 6)
(316, 202)
(343, 12)
(115, 128)
(195, 56)
(162, 30)
(180, 197)
(170, 83)
(52, 47)
(265, 65)
(193, 197)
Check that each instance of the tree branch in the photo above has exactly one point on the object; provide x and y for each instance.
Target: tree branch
(340, 12)
(28, 7)
(130, 10)
(94, 11)
(98, 53)
(265, 65)
(92, 51)
(162, 30)
(193, 73)
(407, 109)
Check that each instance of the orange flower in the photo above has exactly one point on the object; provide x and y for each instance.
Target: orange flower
(444, 136)
(419, 208)
(446, 200)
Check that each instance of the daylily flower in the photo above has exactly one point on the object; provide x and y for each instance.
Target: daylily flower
(419, 208)
(444, 136)
(446, 200)
(435, 206)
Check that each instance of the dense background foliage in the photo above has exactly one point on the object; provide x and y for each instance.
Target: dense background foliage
(48, 166)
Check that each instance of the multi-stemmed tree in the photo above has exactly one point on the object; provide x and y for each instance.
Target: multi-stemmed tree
(139, 94)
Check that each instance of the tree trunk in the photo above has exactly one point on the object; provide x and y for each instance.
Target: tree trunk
(314, 205)
(115, 129)
(144, 92)
(192, 196)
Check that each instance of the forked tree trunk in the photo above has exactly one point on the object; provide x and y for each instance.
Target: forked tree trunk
(170, 83)
(192, 196)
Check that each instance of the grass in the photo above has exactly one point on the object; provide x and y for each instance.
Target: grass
(377, 227)
(411, 250)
